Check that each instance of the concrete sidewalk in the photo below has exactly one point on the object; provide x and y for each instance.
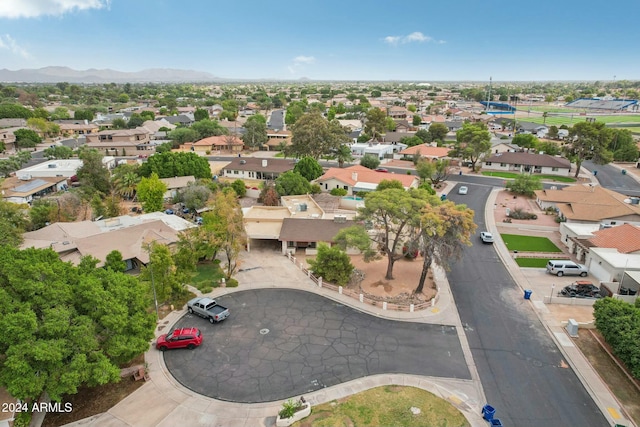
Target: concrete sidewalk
(162, 401)
(596, 387)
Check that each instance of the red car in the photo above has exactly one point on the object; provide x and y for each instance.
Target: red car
(180, 338)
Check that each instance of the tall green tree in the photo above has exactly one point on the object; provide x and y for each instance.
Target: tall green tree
(343, 155)
(26, 138)
(438, 131)
(229, 228)
(434, 172)
(292, 183)
(66, 326)
(375, 123)
(589, 141)
(200, 114)
(207, 128)
(309, 168)
(13, 222)
(172, 164)
(182, 135)
(473, 141)
(255, 134)
(526, 140)
(93, 173)
(444, 230)
(314, 136)
(160, 273)
(369, 161)
(151, 193)
(114, 262)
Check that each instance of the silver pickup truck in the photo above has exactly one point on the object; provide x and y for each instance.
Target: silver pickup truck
(208, 308)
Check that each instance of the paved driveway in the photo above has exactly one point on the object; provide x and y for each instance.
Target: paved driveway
(279, 343)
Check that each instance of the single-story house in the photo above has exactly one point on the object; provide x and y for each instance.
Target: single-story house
(609, 264)
(358, 178)
(504, 147)
(227, 143)
(379, 150)
(521, 162)
(23, 189)
(181, 119)
(425, 150)
(305, 234)
(126, 234)
(591, 204)
(256, 168)
(175, 184)
(61, 167)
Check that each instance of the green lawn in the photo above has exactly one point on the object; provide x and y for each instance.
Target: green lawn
(532, 262)
(569, 121)
(513, 175)
(386, 406)
(520, 243)
(207, 276)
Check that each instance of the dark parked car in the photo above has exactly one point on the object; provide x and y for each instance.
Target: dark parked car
(180, 338)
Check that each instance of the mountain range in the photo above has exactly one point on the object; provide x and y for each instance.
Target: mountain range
(66, 74)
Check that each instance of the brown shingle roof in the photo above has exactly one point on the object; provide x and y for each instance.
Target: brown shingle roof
(625, 238)
(311, 230)
(587, 203)
(532, 159)
(255, 164)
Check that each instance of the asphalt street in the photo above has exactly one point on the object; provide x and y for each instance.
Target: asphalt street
(612, 178)
(279, 343)
(522, 371)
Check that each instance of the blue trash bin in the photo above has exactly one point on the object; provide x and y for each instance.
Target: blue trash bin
(527, 293)
(495, 423)
(487, 412)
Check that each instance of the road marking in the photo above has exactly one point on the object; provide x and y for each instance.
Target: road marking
(563, 339)
(614, 413)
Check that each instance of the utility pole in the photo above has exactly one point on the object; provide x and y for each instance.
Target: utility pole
(489, 95)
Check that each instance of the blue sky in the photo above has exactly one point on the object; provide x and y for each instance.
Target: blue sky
(420, 40)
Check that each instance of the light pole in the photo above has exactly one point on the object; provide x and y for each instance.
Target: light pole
(553, 286)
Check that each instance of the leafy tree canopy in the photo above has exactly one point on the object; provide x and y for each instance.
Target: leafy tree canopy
(332, 264)
(171, 164)
(369, 161)
(309, 168)
(292, 183)
(64, 325)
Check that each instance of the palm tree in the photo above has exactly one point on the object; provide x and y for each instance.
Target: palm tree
(544, 117)
(343, 154)
(125, 185)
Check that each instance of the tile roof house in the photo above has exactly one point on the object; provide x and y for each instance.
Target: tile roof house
(226, 143)
(527, 162)
(358, 178)
(425, 150)
(176, 184)
(625, 238)
(591, 204)
(256, 168)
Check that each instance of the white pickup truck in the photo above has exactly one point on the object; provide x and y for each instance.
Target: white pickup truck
(208, 308)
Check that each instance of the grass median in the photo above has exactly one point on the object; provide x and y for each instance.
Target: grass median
(386, 406)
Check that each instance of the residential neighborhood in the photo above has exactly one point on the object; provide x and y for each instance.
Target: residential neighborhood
(345, 217)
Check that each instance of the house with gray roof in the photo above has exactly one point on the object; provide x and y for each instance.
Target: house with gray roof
(521, 162)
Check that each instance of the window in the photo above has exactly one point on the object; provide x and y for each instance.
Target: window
(554, 169)
(487, 163)
(503, 165)
(346, 187)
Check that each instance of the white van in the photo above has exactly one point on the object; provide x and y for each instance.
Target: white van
(563, 267)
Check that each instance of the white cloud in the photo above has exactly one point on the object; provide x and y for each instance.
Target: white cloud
(304, 60)
(8, 43)
(35, 8)
(299, 62)
(415, 37)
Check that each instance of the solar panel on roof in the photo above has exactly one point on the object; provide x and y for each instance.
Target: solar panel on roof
(29, 186)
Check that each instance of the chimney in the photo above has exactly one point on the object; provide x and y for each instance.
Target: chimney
(354, 176)
(264, 163)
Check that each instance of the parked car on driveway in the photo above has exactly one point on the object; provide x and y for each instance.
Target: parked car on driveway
(180, 338)
(486, 237)
(564, 267)
(463, 190)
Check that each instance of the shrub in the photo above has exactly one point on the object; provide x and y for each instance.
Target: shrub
(232, 283)
(289, 408)
(338, 192)
(520, 214)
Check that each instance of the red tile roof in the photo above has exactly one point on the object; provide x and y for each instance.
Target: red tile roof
(357, 173)
(625, 238)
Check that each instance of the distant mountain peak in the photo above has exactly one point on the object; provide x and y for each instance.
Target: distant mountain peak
(54, 74)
